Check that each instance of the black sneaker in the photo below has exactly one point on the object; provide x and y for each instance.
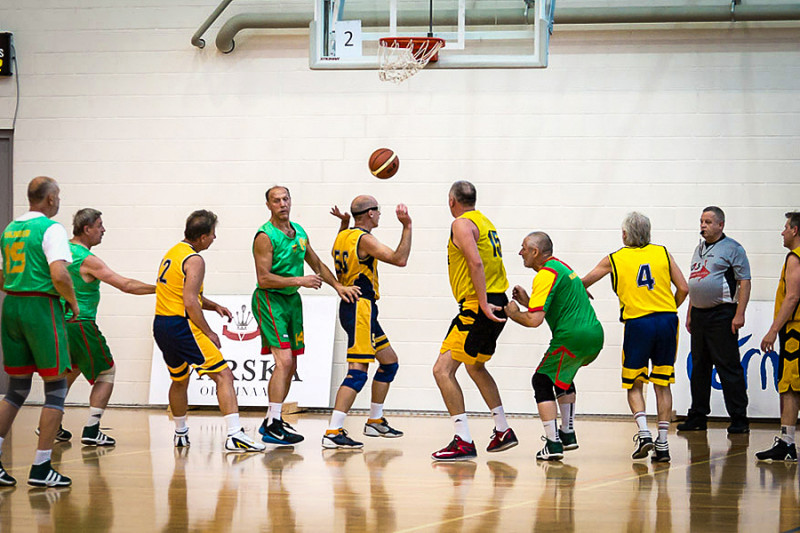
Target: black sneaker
(553, 450)
(43, 475)
(568, 439)
(337, 438)
(6, 480)
(92, 436)
(62, 435)
(692, 423)
(279, 432)
(739, 427)
(661, 454)
(780, 451)
(644, 446)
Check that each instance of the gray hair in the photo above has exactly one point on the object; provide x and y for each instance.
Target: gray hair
(464, 193)
(794, 219)
(541, 241)
(719, 214)
(637, 230)
(277, 187)
(84, 217)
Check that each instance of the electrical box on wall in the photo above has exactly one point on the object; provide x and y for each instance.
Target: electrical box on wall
(5, 54)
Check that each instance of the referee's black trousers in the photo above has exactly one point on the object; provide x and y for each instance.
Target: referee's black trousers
(715, 345)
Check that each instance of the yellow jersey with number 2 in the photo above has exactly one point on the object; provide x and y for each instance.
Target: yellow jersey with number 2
(171, 277)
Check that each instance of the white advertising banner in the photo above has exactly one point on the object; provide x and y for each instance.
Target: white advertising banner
(761, 370)
(241, 346)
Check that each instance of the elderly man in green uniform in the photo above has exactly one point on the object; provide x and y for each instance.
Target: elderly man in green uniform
(279, 249)
(558, 297)
(87, 347)
(35, 253)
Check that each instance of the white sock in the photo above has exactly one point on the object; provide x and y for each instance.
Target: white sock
(42, 456)
(462, 429)
(567, 417)
(376, 411)
(94, 416)
(641, 421)
(337, 420)
(274, 412)
(180, 424)
(787, 434)
(550, 430)
(663, 429)
(499, 415)
(234, 426)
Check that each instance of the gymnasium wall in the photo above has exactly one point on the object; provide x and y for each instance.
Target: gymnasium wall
(131, 119)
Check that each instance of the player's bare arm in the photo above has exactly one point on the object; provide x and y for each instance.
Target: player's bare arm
(520, 295)
(262, 253)
(95, 268)
(348, 294)
(743, 293)
(221, 310)
(195, 269)
(465, 237)
(788, 306)
(597, 273)
(369, 245)
(62, 281)
(525, 318)
(681, 287)
(344, 218)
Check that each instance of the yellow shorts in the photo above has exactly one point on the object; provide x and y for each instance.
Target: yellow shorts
(788, 370)
(472, 338)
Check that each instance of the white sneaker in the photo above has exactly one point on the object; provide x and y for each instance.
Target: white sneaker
(240, 442)
(181, 440)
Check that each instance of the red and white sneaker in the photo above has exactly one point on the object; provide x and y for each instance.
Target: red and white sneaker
(457, 450)
(502, 440)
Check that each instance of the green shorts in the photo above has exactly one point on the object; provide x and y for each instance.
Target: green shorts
(565, 356)
(34, 335)
(88, 349)
(280, 320)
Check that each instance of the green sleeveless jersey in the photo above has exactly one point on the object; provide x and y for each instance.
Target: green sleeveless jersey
(87, 294)
(288, 255)
(25, 266)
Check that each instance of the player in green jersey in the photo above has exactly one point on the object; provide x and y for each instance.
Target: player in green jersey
(88, 350)
(557, 296)
(35, 253)
(280, 248)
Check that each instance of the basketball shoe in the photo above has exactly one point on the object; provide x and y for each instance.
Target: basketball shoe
(92, 436)
(457, 450)
(568, 439)
(337, 438)
(43, 475)
(379, 427)
(279, 432)
(502, 440)
(181, 439)
(240, 442)
(552, 451)
(62, 435)
(6, 480)
(644, 446)
(661, 454)
(780, 451)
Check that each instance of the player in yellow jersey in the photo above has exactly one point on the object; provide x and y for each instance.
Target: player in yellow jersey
(185, 338)
(786, 328)
(642, 275)
(478, 280)
(356, 253)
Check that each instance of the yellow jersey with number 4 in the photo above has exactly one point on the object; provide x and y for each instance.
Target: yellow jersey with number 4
(641, 279)
(491, 254)
(171, 279)
(350, 270)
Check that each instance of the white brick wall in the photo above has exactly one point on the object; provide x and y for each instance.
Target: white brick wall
(133, 120)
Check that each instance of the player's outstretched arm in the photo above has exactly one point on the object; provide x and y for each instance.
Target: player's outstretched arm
(62, 281)
(369, 245)
(681, 287)
(597, 273)
(788, 306)
(465, 237)
(344, 218)
(195, 269)
(262, 253)
(348, 294)
(97, 268)
(525, 318)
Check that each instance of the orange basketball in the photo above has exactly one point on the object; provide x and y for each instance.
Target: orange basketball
(383, 163)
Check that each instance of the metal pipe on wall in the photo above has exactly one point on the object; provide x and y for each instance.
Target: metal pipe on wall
(510, 17)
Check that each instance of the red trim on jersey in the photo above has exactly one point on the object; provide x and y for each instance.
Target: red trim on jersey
(534, 309)
(562, 262)
(88, 350)
(20, 370)
(32, 293)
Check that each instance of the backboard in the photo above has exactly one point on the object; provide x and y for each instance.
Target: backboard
(478, 33)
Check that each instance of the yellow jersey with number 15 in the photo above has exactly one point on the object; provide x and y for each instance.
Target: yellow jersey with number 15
(491, 254)
(170, 281)
(641, 279)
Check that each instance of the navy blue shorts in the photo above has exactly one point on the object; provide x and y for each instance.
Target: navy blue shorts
(365, 336)
(184, 345)
(649, 339)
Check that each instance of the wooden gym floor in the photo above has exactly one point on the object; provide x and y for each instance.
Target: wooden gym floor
(144, 484)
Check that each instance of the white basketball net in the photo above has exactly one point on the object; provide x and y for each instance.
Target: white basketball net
(397, 62)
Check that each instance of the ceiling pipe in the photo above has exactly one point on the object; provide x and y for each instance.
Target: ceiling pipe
(512, 17)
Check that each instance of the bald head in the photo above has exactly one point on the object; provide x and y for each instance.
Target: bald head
(40, 188)
(361, 204)
(541, 241)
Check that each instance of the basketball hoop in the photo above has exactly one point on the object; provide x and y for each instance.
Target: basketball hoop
(399, 58)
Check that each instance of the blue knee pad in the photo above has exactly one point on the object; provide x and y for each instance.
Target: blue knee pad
(386, 373)
(18, 390)
(355, 379)
(543, 388)
(55, 392)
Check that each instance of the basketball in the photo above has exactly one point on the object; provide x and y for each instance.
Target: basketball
(383, 163)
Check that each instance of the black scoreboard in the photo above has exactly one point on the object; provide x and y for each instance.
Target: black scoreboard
(5, 54)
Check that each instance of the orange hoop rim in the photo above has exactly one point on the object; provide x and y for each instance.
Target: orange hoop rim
(413, 41)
